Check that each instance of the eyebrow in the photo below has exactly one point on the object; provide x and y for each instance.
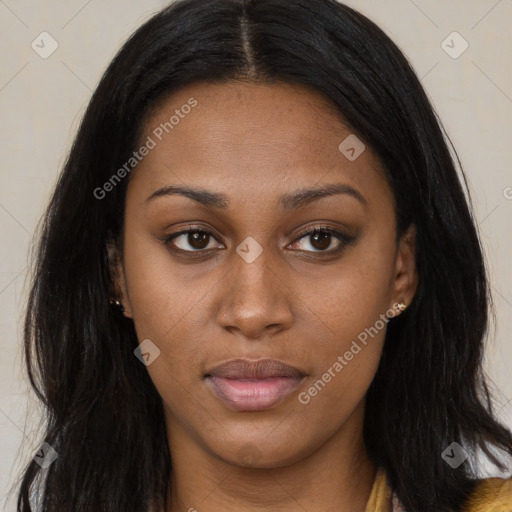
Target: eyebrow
(290, 201)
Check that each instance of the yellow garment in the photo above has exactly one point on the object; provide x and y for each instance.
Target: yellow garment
(489, 495)
(380, 497)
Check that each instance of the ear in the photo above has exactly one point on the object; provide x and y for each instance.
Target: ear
(118, 277)
(405, 277)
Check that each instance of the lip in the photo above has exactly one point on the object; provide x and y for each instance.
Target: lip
(245, 385)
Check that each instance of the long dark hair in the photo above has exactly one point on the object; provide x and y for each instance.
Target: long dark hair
(103, 415)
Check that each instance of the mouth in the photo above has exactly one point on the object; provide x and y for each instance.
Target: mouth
(245, 385)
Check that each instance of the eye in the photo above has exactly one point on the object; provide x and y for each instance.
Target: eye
(196, 239)
(321, 239)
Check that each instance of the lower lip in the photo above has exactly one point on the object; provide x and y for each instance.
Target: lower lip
(253, 394)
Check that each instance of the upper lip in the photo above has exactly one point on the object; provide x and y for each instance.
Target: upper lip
(260, 369)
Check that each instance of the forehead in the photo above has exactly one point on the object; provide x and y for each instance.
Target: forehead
(256, 139)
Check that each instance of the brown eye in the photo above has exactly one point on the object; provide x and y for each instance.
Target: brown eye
(321, 239)
(191, 240)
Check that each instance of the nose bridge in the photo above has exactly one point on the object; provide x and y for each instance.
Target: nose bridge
(254, 280)
(255, 297)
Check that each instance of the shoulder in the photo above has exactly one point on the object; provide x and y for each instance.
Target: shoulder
(490, 495)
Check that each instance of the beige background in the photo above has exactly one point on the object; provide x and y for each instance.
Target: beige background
(42, 101)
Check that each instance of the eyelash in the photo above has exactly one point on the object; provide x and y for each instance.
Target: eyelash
(343, 238)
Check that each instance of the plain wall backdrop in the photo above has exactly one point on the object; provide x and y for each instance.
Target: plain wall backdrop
(43, 99)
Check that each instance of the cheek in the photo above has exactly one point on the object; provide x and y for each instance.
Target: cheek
(166, 309)
(349, 296)
(163, 295)
(346, 351)
(348, 310)
(345, 355)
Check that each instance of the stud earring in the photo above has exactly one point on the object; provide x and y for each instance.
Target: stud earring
(401, 306)
(117, 303)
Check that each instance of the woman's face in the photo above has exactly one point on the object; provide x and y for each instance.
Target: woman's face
(247, 282)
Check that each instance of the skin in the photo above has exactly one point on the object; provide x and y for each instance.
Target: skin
(255, 143)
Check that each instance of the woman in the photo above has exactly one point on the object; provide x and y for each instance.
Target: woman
(259, 285)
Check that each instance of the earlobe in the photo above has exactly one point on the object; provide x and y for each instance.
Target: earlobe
(119, 296)
(405, 280)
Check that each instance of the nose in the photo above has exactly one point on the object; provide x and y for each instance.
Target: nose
(255, 298)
